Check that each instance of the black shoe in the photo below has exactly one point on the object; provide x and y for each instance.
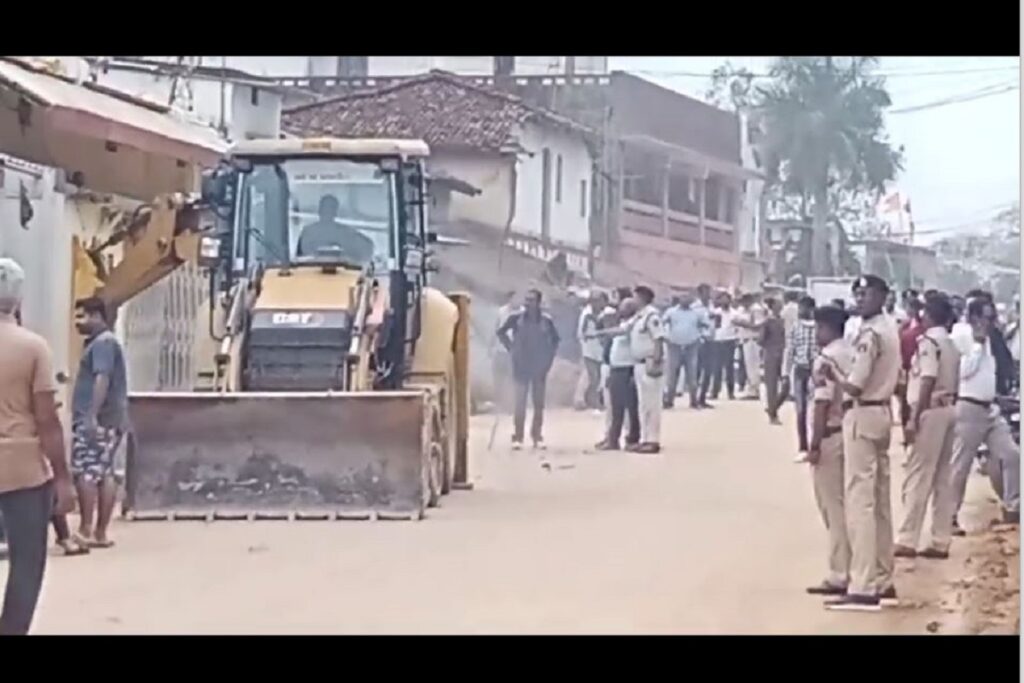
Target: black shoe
(826, 588)
(957, 531)
(887, 598)
(853, 602)
(933, 553)
(607, 446)
(904, 551)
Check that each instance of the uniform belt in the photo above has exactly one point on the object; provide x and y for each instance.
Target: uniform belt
(975, 401)
(847, 405)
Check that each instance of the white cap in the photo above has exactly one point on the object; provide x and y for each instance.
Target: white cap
(12, 283)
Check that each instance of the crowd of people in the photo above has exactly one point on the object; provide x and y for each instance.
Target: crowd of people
(39, 485)
(933, 364)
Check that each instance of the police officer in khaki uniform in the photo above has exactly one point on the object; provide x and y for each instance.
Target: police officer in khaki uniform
(867, 426)
(930, 430)
(825, 452)
(647, 343)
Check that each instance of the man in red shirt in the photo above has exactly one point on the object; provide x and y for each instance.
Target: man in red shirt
(910, 332)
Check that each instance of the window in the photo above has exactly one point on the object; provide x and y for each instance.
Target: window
(583, 199)
(558, 179)
(254, 96)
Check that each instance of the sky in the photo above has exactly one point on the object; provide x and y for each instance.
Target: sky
(961, 160)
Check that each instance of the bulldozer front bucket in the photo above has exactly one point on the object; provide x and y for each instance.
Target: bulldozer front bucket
(244, 455)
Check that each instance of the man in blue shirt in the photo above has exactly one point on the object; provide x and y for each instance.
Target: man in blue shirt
(99, 405)
(684, 325)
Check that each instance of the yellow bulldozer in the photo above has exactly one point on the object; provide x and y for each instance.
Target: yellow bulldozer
(333, 378)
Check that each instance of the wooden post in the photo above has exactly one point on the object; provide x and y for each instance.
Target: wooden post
(460, 478)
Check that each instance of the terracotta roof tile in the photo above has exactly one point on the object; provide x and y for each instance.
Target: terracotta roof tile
(438, 107)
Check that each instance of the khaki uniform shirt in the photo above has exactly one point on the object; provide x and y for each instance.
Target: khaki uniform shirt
(936, 357)
(25, 369)
(876, 359)
(838, 354)
(645, 331)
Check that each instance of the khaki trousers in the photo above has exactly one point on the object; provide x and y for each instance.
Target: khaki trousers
(827, 475)
(926, 473)
(649, 390)
(866, 436)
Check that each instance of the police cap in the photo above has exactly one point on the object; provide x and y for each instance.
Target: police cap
(870, 282)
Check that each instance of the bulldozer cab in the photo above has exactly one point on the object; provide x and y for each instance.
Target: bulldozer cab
(355, 204)
(329, 205)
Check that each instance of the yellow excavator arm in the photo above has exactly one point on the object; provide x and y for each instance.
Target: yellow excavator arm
(156, 239)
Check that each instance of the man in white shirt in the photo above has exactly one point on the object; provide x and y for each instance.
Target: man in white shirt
(791, 310)
(749, 320)
(622, 394)
(726, 337)
(592, 347)
(978, 421)
(1013, 331)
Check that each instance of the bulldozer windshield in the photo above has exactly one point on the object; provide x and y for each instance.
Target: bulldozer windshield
(317, 210)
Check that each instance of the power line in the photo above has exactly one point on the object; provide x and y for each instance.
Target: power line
(886, 74)
(988, 91)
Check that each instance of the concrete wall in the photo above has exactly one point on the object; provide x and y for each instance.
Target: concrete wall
(569, 225)
(570, 217)
(43, 248)
(677, 263)
(407, 65)
(243, 119)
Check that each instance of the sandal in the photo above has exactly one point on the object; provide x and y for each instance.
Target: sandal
(72, 548)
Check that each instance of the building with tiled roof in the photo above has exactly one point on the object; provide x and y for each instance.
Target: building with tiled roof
(533, 168)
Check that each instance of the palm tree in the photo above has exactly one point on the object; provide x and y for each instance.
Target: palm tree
(823, 128)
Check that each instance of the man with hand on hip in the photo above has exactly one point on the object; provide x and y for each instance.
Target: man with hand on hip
(867, 427)
(647, 343)
(930, 428)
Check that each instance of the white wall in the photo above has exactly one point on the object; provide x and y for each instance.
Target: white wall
(248, 120)
(243, 119)
(568, 225)
(43, 249)
(406, 65)
(265, 66)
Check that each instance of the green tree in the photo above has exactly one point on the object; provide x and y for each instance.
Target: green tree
(823, 134)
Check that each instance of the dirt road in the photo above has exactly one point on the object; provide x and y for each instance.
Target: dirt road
(719, 534)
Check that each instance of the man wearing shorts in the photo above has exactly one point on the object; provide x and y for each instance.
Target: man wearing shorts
(98, 413)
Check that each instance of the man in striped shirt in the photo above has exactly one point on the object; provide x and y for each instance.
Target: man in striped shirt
(801, 349)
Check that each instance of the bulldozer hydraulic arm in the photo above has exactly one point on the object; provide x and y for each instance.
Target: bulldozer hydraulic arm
(160, 237)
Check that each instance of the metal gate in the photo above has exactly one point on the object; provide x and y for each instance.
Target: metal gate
(160, 330)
